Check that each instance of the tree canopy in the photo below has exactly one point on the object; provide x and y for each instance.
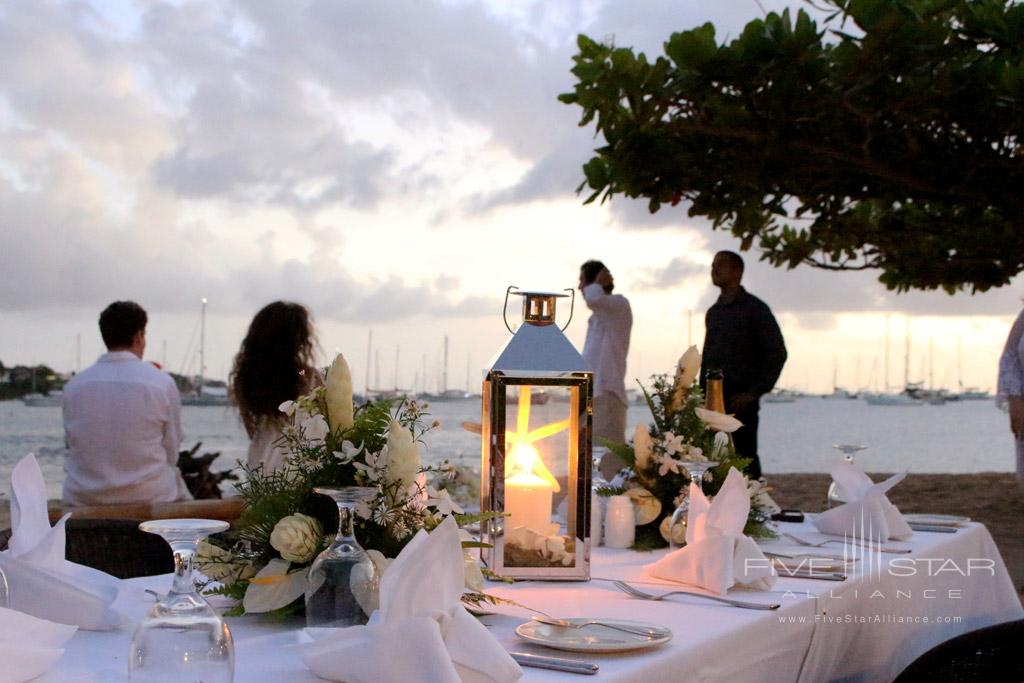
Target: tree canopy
(888, 137)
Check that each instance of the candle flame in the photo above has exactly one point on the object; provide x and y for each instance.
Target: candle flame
(523, 457)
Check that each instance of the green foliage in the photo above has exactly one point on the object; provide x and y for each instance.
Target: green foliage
(886, 138)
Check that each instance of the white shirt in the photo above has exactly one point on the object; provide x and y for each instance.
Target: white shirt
(607, 340)
(122, 421)
(1011, 363)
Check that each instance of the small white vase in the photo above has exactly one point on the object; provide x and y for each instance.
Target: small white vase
(620, 523)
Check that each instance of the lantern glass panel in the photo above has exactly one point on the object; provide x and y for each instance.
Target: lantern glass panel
(541, 467)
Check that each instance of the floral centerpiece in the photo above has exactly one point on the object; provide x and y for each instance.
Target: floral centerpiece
(263, 561)
(682, 430)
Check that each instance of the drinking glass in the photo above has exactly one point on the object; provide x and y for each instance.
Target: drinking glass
(4, 593)
(696, 470)
(597, 482)
(343, 585)
(182, 638)
(847, 450)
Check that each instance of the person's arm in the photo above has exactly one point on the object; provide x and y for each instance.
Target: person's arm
(172, 427)
(600, 301)
(772, 351)
(1011, 376)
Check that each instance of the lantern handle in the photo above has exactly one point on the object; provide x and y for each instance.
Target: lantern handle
(572, 306)
(504, 309)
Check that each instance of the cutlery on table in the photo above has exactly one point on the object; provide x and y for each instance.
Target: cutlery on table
(933, 527)
(809, 556)
(877, 547)
(634, 630)
(807, 574)
(572, 666)
(643, 595)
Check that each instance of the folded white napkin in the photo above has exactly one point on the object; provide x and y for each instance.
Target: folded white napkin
(867, 513)
(421, 632)
(41, 582)
(29, 646)
(717, 555)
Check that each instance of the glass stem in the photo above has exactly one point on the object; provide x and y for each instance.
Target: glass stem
(346, 523)
(184, 555)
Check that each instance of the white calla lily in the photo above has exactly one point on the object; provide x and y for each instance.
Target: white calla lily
(274, 587)
(720, 422)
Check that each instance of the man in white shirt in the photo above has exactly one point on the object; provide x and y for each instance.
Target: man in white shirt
(122, 421)
(1011, 388)
(605, 351)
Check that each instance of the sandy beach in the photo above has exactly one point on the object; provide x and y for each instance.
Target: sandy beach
(988, 497)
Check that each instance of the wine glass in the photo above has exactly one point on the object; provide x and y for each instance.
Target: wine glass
(696, 470)
(4, 593)
(847, 450)
(182, 638)
(343, 585)
(597, 482)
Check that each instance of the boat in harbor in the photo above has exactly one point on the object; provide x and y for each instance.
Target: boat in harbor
(49, 400)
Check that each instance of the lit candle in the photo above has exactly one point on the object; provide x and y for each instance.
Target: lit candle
(527, 495)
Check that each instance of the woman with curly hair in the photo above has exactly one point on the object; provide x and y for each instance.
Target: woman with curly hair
(274, 365)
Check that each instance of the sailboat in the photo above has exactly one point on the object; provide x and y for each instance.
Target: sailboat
(203, 394)
(445, 394)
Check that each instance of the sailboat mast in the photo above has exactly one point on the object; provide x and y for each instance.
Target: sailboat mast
(444, 375)
(369, 356)
(886, 382)
(202, 347)
(906, 354)
(397, 349)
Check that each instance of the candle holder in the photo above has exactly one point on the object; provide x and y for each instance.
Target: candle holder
(536, 450)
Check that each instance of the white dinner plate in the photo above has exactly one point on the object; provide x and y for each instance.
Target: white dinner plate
(593, 637)
(937, 520)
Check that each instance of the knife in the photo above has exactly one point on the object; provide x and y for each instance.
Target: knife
(573, 666)
(933, 527)
(823, 576)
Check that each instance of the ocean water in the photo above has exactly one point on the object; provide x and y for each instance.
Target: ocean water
(968, 436)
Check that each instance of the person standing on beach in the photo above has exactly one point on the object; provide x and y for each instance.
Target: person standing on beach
(1011, 387)
(273, 365)
(122, 421)
(742, 340)
(605, 350)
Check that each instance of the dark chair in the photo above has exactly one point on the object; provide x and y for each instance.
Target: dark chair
(989, 654)
(115, 546)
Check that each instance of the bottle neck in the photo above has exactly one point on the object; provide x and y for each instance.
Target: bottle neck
(714, 399)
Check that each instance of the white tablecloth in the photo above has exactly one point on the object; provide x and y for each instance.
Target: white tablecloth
(867, 628)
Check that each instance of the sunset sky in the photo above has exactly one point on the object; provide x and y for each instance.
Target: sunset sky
(394, 165)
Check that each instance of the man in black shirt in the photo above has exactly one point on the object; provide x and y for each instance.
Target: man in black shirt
(745, 343)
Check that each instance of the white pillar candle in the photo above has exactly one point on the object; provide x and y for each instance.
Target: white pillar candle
(619, 523)
(528, 502)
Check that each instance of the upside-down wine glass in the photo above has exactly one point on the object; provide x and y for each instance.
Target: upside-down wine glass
(343, 585)
(182, 638)
(848, 451)
(696, 470)
(4, 593)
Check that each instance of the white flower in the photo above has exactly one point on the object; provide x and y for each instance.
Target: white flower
(218, 564)
(403, 455)
(348, 452)
(692, 453)
(720, 422)
(296, 537)
(274, 587)
(668, 464)
(374, 466)
(686, 372)
(442, 500)
(288, 408)
(758, 492)
(642, 446)
(315, 428)
(673, 444)
(338, 394)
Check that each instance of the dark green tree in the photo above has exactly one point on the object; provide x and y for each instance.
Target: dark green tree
(889, 137)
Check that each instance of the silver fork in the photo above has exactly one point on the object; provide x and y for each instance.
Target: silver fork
(566, 623)
(864, 544)
(637, 593)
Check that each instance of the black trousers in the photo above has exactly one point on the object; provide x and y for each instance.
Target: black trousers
(745, 439)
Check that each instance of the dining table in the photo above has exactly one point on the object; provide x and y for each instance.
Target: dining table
(889, 609)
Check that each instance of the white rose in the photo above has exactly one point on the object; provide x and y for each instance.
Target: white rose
(403, 456)
(315, 428)
(642, 446)
(296, 537)
(338, 394)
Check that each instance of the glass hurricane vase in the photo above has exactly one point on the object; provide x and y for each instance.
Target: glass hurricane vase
(677, 530)
(182, 638)
(343, 584)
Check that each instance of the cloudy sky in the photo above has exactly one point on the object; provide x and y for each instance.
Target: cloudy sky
(393, 165)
